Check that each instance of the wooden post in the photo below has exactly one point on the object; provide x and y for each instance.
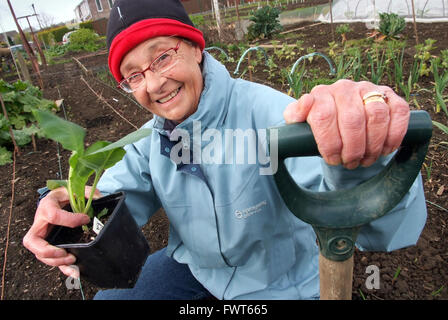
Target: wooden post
(36, 41)
(331, 19)
(336, 279)
(26, 45)
(415, 23)
(23, 67)
(238, 12)
(249, 67)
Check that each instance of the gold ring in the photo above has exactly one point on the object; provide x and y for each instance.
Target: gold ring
(374, 96)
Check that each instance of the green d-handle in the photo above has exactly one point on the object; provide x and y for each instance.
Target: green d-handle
(337, 216)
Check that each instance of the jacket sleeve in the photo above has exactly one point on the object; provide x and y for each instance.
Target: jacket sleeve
(132, 175)
(399, 228)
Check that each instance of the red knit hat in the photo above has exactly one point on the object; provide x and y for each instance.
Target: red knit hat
(133, 21)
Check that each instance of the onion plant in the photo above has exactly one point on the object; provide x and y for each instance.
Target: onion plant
(377, 66)
(408, 85)
(441, 82)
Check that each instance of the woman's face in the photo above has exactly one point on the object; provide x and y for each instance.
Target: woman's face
(173, 95)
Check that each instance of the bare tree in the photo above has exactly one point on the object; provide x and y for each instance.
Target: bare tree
(46, 20)
(217, 16)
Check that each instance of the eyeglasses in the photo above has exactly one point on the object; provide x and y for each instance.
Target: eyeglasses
(159, 65)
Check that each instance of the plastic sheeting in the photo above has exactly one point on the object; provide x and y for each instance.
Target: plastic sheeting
(346, 11)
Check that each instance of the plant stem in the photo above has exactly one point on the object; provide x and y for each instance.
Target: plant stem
(92, 192)
(73, 203)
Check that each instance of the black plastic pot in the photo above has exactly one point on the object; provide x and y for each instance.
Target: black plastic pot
(115, 258)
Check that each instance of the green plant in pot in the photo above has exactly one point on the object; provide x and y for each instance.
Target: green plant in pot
(114, 258)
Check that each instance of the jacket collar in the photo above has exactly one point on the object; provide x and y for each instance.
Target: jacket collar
(213, 103)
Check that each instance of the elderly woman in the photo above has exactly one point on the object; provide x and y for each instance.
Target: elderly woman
(231, 235)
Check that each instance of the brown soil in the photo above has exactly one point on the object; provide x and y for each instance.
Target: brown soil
(418, 272)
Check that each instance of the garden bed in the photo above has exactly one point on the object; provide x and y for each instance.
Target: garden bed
(418, 272)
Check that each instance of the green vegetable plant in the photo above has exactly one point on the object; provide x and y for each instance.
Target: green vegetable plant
(271, 69)
(406, 86)
(444, 58)
(342, 30)
(84, 40)
(296, 82)
(100, 156)
(265, 24)
(391, 25)
(441, 82)
(423, 53)
(443, 128)
(377, 66)
(19, 98)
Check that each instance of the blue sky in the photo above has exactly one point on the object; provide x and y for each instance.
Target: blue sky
(59, 10)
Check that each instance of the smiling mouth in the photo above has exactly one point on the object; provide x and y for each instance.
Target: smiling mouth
(169, 97)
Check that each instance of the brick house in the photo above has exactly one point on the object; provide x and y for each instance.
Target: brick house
(93, 10)
(196, 6)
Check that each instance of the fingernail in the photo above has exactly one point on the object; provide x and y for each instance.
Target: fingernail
(334, 160)
(387, 151)
(289, 115)
(85, 218)
(60, 253)
(367, 162)
(70, 259)
(352, 165)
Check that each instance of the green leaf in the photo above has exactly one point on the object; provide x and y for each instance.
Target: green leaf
(9, 96)
(21, 86)
(68, 134)
(79, 175)
(18, 122)
(3, 122)
(441, 102)
(54, 184)
(102, 213)
(28, 101)
(104, 160)
(22, 137)
(130, 138)
(100, 161)
(5, 86)
(5, 156)
(442, 127)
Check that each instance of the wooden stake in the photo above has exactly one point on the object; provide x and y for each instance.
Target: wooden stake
(415, 23)
(331, 17)
(249, 66)
(336, 278)
(26, 45)
(23, 67)
(33, 140)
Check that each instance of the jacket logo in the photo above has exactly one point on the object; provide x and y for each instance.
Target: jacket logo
(245, 213)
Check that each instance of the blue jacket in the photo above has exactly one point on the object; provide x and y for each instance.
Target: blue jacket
(228, 221)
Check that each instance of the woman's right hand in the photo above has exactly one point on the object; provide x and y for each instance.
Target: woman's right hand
(48, 214)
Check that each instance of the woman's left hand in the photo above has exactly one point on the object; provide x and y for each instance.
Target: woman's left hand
(349, 130)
